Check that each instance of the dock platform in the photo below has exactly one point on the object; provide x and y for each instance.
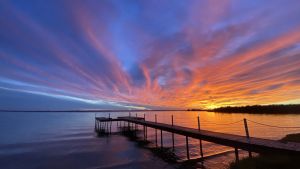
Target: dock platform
(250, 144)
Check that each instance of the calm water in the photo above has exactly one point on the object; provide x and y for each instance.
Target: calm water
(67, 140)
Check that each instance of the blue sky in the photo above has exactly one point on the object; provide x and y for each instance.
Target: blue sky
(148, 53)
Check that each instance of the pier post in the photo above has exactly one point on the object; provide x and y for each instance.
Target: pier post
(100, 123)
(187, 147)
(128, 125)
(136, 126)
(247, 134)
(146, 131)
(173, 142)
(236, 151)
(110, 127)
(103, 126)
(155, 131)
(110, 123)
(161, 139)
(95, 123)
(144, 128)
(200, 141)
(106, 128)
(132, 126)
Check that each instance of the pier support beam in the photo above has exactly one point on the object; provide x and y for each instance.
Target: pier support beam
(136, 126)
(247, 135)
(187, 147)
(200, 141)
(110, 123)
(110, 127)
(161, 139)
(144, 128)
(155, 131)
(173, 142)
(128, 125)
(236, 151)
(96, 125)
(146, 132)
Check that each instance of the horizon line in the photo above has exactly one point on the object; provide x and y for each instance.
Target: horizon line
(95, 110)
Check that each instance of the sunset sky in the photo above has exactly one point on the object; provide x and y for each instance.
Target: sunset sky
(120, 54)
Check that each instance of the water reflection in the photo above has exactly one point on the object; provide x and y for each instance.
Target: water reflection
(67, 140)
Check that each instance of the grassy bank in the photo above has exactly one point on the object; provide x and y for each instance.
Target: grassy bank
(271, 161)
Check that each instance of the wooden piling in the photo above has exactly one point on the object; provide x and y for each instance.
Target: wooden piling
(200, 141)
(107, 127)
(247, 135)
(129, 125)
(144, 127)
(155, 131)
(110, 127)
(136, 126)
(110, 123)
(95, 122)
(161, 139)
(173, 142)
(187, 147)
(236, 151)
(96, 125)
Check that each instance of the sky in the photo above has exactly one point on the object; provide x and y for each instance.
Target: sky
(148, 54)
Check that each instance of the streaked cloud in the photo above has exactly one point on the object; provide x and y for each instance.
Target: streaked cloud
(152, 53)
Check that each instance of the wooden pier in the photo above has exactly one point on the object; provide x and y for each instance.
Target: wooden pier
(247, 143)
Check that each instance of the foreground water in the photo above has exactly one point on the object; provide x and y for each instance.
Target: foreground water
(67, 140)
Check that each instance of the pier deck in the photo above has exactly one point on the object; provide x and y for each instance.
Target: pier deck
(251, 144)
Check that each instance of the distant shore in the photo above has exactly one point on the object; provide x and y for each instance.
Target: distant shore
(261, 109)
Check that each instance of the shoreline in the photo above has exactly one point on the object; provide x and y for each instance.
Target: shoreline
(260, 109)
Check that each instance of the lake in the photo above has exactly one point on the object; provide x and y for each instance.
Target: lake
(31, 140)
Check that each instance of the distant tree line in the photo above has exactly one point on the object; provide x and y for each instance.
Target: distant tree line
(196, 110)
(259, 109)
